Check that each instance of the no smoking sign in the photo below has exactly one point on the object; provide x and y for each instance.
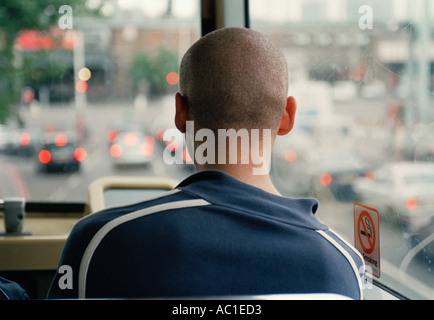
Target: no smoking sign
(367, 236)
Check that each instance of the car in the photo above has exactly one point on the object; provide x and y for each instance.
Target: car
(21, 141)
(302, 167)
(402, 192)
(132, 148)
(284, 163)
(332, 173)
(59, 152)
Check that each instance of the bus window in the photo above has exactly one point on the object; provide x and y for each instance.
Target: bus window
(89, 92)
(362, 73)
(86, 91)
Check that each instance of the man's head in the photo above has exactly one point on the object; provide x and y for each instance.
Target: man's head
(234, 78)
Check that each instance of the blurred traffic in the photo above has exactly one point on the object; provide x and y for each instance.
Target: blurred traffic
(131, 148)
(59, 152)
(402, 191)
(98, 100)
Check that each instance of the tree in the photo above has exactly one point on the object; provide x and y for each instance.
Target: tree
(16, 16)
(152, 70)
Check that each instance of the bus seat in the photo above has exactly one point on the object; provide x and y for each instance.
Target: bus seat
(110, 191)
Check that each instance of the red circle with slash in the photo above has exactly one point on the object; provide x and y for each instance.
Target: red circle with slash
(367, 229)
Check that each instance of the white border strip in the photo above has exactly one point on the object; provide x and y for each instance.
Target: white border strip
(348, 244)
(97, 238)
(348, 256)
(4, 293)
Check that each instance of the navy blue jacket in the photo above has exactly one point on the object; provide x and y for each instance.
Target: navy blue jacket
(211, 236)
(10, 290)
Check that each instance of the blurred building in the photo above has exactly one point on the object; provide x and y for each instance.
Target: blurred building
(321, 37)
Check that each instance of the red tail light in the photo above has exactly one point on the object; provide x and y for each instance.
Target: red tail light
(290, 155)
(115, 151)
(411, 204)
(160, 134)
(44, 156)
(325, 180)
(147, 149)
(172, 145)
(24, 139)
(61, 140)
(186, 156)
(111, 136)
(80, 154)
(149, 139)
(370, 175)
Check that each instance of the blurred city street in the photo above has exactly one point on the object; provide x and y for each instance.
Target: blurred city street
(372, 145)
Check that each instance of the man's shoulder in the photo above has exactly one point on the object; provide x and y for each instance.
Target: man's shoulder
(176, 198)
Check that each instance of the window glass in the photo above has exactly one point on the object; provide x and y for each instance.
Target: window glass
(362, 73)
(419, 179)
(87, 90)
(384, 177)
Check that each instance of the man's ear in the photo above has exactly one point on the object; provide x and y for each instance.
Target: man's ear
(181, 114)
(288, 118)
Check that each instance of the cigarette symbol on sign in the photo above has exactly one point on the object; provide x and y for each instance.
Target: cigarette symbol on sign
(368, 227)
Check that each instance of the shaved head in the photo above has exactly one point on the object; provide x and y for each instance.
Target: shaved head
(235, 78)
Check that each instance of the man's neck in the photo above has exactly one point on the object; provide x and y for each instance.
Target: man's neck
(244, 174)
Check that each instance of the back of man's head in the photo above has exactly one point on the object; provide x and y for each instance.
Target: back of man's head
(235, 78)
